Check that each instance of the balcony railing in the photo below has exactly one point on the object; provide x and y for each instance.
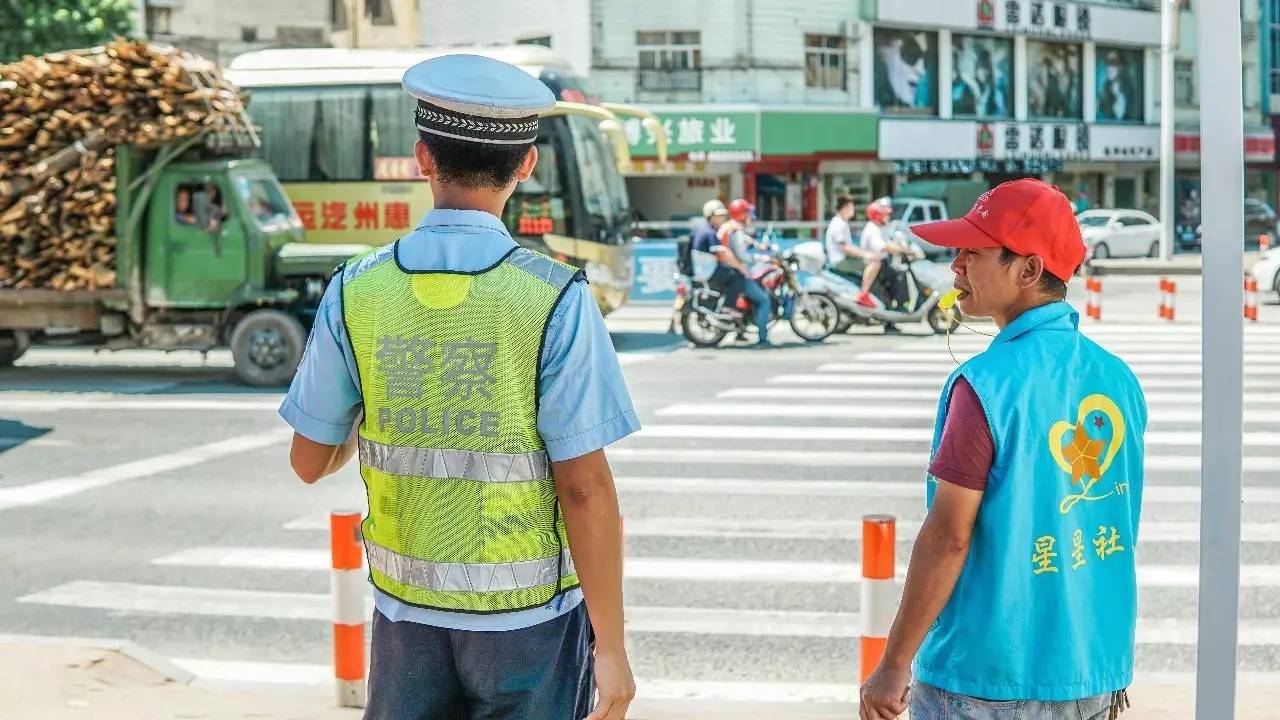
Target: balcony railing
(668, 80)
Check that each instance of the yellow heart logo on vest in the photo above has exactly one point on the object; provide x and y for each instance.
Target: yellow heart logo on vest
(1098, 427)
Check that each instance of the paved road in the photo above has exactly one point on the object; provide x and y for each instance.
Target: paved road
(149, 498)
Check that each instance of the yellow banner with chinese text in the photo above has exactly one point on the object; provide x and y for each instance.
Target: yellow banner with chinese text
(372, 213)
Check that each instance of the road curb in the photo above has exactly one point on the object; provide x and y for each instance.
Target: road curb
(146, 657)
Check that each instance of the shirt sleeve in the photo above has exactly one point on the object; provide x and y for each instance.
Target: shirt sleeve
(324, 401)
(583, 401)
(966, 452)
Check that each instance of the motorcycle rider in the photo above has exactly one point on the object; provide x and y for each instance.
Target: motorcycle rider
(877, 245)
(844, 257)
(733, 255)
(715, 214)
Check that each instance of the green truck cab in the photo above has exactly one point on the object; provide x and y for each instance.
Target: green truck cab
(209, 254)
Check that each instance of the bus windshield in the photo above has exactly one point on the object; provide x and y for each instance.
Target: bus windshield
(603, 190)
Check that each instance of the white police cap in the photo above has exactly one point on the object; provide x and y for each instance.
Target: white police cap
(477, 99)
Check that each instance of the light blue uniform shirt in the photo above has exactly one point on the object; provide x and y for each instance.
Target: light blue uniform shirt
(583, 403)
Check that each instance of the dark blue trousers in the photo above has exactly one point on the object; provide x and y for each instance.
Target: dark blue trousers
(421, 672)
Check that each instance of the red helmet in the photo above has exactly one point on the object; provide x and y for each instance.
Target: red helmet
(741, 210)
(879, 211)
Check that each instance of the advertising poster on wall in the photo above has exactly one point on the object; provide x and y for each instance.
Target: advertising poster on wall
(1053, 80)
(1119, 81)
(982, 76)
(906, 71)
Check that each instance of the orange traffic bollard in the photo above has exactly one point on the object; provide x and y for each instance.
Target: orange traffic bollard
(1251, 299)
(1264, 242)
(348, 607)
(879, 589)
(1168, 291)
(1093, 308)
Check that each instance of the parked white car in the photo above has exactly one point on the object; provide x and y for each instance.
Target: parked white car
(914, 211)
(1267, 271)
(1119, 233)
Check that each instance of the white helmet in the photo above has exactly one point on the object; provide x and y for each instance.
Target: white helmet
(713, 207)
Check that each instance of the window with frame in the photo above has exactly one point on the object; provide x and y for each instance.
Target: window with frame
(669, 59)
(825, 59)
(1273, 46)
(380, 12)
(1184, 82)
(159, 20)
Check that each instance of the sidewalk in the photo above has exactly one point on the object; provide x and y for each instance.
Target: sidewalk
(68, 679)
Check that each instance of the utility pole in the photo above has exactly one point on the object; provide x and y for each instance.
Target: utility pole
(1169, 33)
(1222, 419)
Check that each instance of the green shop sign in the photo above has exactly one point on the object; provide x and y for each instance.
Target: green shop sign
(716, 134)
(746, 135)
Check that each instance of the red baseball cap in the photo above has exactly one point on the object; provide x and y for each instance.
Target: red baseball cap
(1029, 217)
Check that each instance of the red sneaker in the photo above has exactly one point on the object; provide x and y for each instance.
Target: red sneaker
(865, 299)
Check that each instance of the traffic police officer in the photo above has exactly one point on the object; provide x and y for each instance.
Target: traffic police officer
(478, 384)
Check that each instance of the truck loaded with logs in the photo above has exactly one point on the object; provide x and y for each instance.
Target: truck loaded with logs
(133, 214)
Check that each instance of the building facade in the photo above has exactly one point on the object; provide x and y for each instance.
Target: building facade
(222, 29)
(789, 103)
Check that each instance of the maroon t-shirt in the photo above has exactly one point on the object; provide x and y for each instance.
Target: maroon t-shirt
(966, 451)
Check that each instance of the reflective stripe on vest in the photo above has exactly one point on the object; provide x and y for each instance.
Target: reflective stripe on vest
(463, 514)
(464, 577)
(461, 464)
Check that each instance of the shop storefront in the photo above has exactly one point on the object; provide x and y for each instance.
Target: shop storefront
(990, 91)
(1093, 164)
(787, 161)
(1259, 172)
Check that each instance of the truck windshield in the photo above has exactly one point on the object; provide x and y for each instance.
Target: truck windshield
(266, 201)
(603, 190)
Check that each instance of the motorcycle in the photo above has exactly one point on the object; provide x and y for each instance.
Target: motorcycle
(843, 291)
(705, 321)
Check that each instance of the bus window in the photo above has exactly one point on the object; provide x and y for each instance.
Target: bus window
(394, 130)
(603, 191)
(314, 133)
(539, 204)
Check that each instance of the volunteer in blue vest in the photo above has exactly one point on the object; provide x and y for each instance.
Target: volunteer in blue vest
(477, 384)
(1021, 596)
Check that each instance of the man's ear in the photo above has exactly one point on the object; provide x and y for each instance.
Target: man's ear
(530, 162)
(1031, 272)
(426, 163)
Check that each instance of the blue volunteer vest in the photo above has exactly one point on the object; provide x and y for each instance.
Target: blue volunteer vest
(1046, 606)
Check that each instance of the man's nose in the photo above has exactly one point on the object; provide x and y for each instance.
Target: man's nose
(957, 265)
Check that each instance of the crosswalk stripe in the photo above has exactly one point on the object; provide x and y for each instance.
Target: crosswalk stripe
(892, 394)
(232, 671)
(897, 411)
(891, 434)
(869, 459)
(935, 380)
(807, 529)
(43, 491)
(684, 691)
(684, 569)
(60, 404)
(177, 600)
(1190, 358)
(945, 366)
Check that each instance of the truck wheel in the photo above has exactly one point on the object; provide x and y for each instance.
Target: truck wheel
(12, 346)
(267, 346)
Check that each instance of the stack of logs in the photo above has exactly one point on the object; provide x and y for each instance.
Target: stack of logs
(61, 117)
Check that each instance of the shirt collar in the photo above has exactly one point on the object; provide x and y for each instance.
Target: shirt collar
(455, 241)
(1055, 315)
(446, 217)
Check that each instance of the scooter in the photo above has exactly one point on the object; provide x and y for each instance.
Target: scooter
(844, 291)
(705, 321)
